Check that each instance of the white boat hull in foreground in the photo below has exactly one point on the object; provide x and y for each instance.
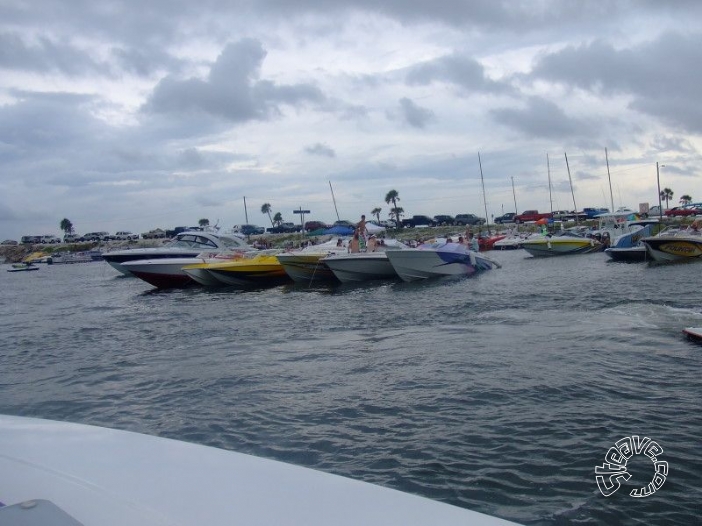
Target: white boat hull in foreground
(117, 478)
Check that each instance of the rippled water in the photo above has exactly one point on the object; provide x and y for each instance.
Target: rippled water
(499, 393)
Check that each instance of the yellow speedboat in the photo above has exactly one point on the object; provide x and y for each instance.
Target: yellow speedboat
(257, 270)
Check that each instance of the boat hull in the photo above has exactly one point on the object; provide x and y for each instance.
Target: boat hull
(356, 268)
(628, 255)
(306, 268)
(420, 263)
(199, 274)
(672, 249)
(561, 247)
(259, 271)
(120, 258)
(162, 273)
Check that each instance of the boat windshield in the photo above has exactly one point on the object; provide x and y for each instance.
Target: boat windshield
(193, 241)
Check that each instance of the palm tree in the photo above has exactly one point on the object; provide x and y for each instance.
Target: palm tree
(666, 194)
(376, 212)
(66, 226)
(204, 223)
(685, 200)
(398, 212)
(278, 218)
(266, 209)
(393, 197)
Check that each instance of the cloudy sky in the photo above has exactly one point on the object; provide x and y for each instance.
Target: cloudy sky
(126, 115)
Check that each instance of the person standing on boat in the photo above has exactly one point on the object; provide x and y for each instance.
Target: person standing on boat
(362, 232)
(472, 242)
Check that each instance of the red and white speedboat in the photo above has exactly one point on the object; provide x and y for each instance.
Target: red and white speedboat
(187, 244)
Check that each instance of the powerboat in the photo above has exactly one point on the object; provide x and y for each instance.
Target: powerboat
(628, 247)
(69, 257)
(562, 244)
(186, 244)
(22, 267)
(432, 260)
(62, 473)
(306, 265)
(683, 245)
(364, 266)
(514, 241)
(167, 273)
(246, 271)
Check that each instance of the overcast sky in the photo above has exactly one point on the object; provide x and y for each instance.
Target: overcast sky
(135, 115)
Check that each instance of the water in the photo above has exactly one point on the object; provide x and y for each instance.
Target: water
(499, 393)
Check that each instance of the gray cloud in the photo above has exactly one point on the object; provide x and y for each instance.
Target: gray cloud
(321, 149)
(231, 91)
(44, 55)
(541, 118)
(461, 71)
(663, 76)
(414, 115)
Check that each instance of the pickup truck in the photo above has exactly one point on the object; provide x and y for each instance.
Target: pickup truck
(531, 215)
(283, 228)
(418, 221)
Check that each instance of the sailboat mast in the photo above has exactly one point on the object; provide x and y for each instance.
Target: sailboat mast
(611, 195)
(482, 181)
(246, 213)
(334, 200)
(515, 197)
(575, 207)
(548, 169)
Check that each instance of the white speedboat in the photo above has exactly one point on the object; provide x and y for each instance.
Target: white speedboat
(438, 259)
(72, 474)
(684, 245)
(364, 266)
(184, 245)
(628, 247)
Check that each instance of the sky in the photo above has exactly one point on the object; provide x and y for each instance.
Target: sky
(121, 115)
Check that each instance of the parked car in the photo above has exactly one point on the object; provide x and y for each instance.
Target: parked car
(444, 220)
(315, 225)
(71, 238)
(251, 230)
(419, 220)
(29, 240)
(505, 218)
(124, 235)
(96, 236)
(469, 219)
(283, 228)
(156, 233)
(50, 240)
(9, 242)
(683, 211)
(344, 223)
(532, 215)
